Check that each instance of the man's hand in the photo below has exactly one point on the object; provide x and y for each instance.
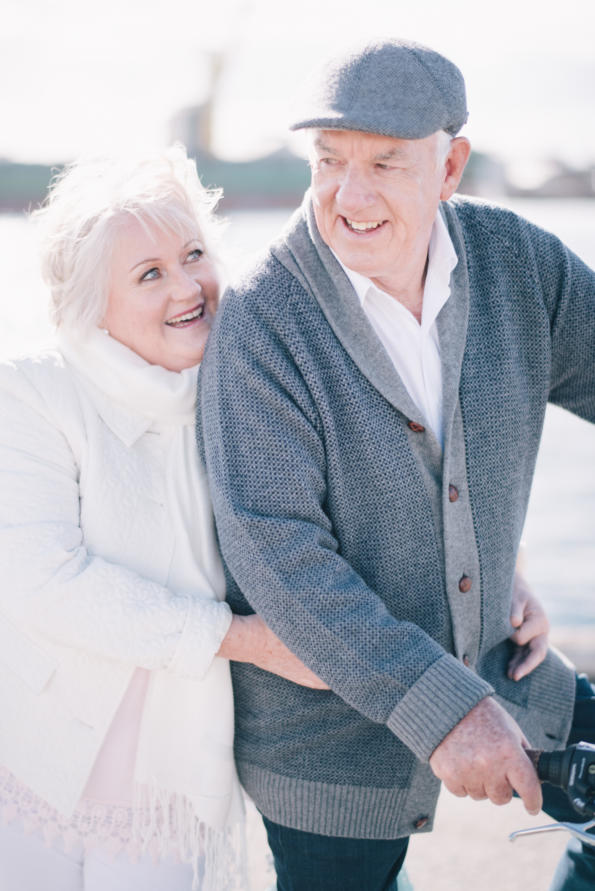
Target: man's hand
(531, 637)
(483, 757)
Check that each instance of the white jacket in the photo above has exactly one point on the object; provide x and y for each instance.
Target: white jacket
(86, 544)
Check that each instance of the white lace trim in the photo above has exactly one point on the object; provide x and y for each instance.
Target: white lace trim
(158, 823)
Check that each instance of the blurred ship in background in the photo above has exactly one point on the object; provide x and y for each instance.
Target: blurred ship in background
(279, 178)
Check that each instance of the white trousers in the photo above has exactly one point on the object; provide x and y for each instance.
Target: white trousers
(28, 864)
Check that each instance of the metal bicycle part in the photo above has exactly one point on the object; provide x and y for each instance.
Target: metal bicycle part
(573, 770)
(578, 830)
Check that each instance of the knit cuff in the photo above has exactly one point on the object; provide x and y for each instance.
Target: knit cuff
(207, 623)
(441, 698)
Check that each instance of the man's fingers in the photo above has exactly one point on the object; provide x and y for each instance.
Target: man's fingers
(455, 788)
(499, 792)
(524, 781)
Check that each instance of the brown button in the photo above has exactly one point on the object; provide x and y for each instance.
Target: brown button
(453, 493)
(421, 822)
(465, 584)
(466, 661)
(417, 428)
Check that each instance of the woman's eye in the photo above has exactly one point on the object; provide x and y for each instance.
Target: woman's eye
(150, 274)
(195, 254)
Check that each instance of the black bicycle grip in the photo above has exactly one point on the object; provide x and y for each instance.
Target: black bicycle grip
(573, 770)
(553, 767)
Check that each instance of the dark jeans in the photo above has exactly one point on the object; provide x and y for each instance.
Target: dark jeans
(305, 861)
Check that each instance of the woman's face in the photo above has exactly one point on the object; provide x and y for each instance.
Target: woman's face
(163, 294)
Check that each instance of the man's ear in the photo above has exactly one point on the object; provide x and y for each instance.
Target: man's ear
(460, 149)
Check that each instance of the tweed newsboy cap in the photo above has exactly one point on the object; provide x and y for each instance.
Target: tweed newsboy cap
(393, 88)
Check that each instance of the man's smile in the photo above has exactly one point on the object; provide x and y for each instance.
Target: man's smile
(363, 226)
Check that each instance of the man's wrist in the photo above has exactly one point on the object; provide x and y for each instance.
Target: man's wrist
(439, 699)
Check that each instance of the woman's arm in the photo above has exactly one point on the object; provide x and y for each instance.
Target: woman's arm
(250, 640)
(52, 586)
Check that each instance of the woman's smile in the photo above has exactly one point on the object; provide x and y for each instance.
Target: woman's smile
(185, 319)
(163, 295)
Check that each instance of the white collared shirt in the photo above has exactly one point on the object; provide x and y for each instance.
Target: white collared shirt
(414, 348)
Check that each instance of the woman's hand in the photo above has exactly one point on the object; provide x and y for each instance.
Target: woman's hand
(532, 629)
(249, 639)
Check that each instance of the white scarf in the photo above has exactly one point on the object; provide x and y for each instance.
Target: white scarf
(185, 776)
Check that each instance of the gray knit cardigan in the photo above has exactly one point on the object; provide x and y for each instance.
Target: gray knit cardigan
(338, 522)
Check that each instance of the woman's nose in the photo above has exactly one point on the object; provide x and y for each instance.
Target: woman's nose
(184, 286)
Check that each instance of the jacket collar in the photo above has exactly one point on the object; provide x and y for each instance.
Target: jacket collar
(452, 324)
(303, 252)
(127, 425)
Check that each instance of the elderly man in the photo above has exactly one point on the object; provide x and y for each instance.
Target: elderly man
(372, 400)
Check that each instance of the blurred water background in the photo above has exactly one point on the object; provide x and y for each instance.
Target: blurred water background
(560, 528)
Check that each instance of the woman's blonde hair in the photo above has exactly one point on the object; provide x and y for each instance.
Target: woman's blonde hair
(86, 204)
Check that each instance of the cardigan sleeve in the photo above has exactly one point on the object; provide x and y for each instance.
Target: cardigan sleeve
(52, 587)
(569, 287)
(265, 455)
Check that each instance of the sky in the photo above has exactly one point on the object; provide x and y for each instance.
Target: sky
(80, 77)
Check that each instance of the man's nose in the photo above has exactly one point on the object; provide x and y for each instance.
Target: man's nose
(354, 192)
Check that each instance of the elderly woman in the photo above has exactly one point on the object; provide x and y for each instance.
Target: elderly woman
(117, 718)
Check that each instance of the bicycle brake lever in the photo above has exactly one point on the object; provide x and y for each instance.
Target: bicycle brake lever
(578, 830)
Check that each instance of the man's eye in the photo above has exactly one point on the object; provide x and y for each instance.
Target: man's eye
(150, 274)
(317, 163)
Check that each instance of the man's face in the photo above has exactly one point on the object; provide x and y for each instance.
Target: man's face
(375, 200)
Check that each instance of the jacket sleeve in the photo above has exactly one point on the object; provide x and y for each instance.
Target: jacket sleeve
(569, 286)
(265, 455)
(52, 586)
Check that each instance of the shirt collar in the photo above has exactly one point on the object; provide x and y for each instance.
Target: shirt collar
(442, 259)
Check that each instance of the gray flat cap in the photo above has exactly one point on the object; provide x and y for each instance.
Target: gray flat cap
(393, 88)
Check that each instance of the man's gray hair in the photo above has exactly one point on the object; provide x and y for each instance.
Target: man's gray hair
(443, 144)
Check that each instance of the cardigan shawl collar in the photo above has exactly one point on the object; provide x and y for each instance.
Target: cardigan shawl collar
(303, 252)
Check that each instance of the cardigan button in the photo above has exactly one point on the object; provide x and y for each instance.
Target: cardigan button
(466, 661)
(421, 822)
(417, 428)
(453, 493)
(465, 584)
